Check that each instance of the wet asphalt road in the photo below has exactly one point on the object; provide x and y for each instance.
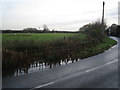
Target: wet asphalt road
(100, 71)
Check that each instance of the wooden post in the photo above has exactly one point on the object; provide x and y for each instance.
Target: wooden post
(103, 17)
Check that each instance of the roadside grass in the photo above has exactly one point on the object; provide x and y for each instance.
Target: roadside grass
(107, 43)
(99, 48)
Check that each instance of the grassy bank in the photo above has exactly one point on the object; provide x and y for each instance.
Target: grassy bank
(94, 50)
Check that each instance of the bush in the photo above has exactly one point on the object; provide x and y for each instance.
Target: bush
(94, 30)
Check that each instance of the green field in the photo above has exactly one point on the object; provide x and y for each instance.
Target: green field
(23, 41)
(42, 37)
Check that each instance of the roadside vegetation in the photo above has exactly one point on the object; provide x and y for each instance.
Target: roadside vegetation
(23, 49)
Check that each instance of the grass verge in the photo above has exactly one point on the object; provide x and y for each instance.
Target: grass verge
(99, 48)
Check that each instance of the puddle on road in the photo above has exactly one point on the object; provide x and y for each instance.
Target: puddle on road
(36, 66)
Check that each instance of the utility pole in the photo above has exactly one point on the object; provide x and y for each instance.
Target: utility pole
(103, 17)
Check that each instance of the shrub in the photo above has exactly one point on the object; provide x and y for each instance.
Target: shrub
(93, 30)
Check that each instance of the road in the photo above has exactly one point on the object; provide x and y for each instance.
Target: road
(100, 71)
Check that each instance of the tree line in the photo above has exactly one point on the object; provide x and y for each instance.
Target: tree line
(36, 31)
(95, 29)
(113, 30)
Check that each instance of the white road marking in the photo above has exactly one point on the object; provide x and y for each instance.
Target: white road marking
(86, 71)
(42, 85)
(102, 65)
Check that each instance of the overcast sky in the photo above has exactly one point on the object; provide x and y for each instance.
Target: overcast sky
(56, 14)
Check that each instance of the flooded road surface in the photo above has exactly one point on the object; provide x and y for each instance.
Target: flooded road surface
(37, 66)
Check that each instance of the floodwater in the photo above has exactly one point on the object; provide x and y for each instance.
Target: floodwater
(36, 66)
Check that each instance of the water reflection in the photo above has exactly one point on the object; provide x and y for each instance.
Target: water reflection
(37, 66)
